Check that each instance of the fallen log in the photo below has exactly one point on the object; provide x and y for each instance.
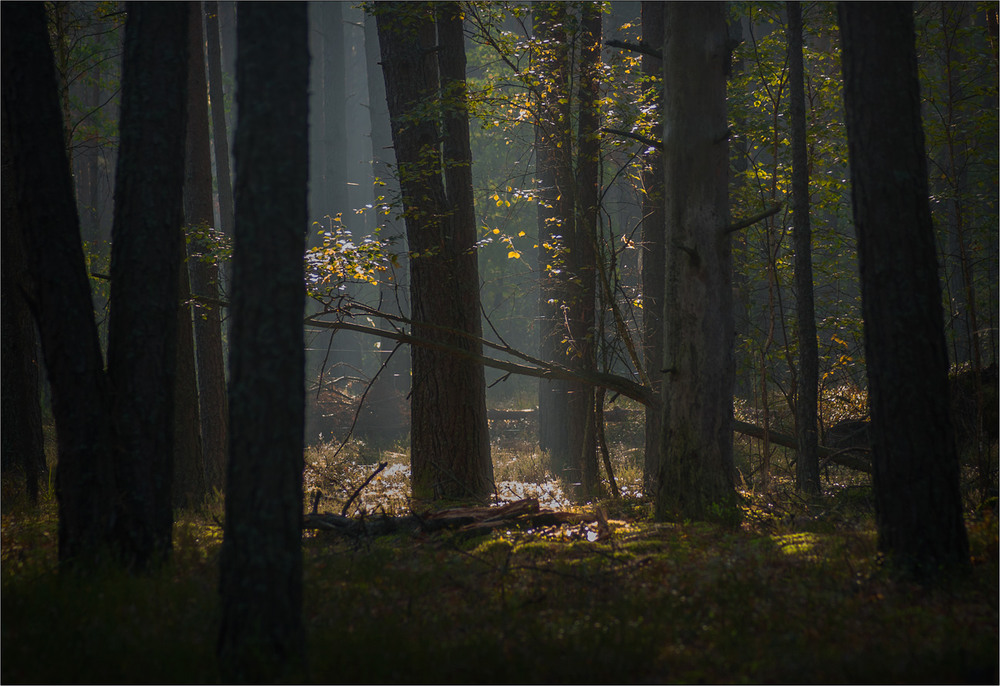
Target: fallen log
(520, 512)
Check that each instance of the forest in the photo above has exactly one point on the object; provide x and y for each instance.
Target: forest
(500, 342)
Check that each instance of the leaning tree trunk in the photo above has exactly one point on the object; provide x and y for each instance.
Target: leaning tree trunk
(652, 251)
(449, 437)
(918, 504)
(696, 474)
(43, 197)
(262, 635)
(807, 465)
(22, 440)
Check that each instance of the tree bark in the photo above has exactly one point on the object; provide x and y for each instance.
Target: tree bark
(652, 255)
(146, 239)
(582, 259)
(23, 443)
(449, 444)
(915, 464)
(806, 419)
(696, 474)
(262, 635)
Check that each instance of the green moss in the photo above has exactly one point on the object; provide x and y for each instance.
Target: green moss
(658, 602)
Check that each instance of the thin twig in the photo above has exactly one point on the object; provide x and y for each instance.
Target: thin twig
(357, 491)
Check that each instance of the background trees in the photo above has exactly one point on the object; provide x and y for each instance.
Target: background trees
(533, 99)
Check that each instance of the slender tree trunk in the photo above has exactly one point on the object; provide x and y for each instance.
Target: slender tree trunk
(199, 214)
(652, 250)
(394, 382)
(334, 120)
(61, 304)
(220, 131)
(807, 466)
(449, 443)
(696, 475)
(582, 257)
(549, 29)
(262, 638)
(915, 464)
(146, 244)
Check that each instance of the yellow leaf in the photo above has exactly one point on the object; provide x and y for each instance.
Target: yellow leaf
(513, 255)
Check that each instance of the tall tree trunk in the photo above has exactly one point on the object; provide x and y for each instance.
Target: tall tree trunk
(696, 475)
(146, 240)
(556, 232)
(449, 443)
(915, 465)
(652, 251)
(199, 214)
(22, 439)
(43, 196)
(582, 258)
(394, 382)
(262, 635)
(807, 465)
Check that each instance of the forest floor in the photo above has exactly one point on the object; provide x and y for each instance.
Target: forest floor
(794, 594)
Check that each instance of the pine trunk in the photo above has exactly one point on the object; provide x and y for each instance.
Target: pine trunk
(262, 636)
(806, 420)
(449, 439)
(145, 263)
(915, 464)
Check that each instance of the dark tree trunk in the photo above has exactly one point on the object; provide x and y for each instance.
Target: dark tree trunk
(21, 434)
(43, 198)
(915, 465)
(449, 443)
(652, 251)
(146, 235)
(582, 258)
(807, 465)
(199, 212)
(696, 475)
(262, 635)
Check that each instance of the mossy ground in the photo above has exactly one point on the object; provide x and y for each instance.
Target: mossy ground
(793, 594)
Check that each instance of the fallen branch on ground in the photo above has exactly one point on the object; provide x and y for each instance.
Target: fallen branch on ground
(469, 519)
